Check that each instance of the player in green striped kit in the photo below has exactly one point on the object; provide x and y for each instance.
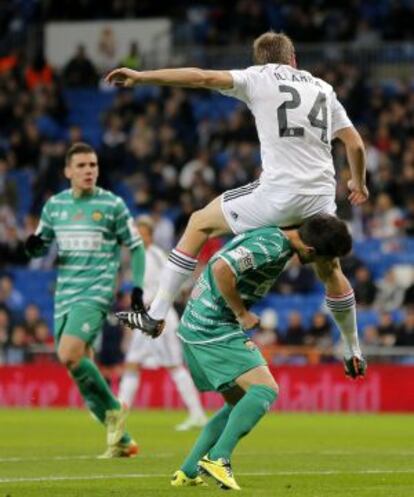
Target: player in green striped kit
(218, 352)
(89, 225)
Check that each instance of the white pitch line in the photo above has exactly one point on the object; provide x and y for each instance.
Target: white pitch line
(75, 458)
(164, 475)
(165, 455)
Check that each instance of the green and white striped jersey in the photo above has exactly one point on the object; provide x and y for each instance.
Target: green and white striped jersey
(89, 231)
(257, 258)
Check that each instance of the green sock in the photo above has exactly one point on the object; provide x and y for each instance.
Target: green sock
(244, 416)
(94, 389)
(206, 440)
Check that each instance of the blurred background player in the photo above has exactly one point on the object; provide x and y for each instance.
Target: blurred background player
(165, 352)
(297, 116)
(89, 224)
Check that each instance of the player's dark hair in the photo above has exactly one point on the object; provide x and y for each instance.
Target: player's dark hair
(328, 235)
(273, 48)
(78, 148)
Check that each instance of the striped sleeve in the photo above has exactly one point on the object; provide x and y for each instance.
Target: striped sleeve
(252, 255)
(125, 229)
(45, 228)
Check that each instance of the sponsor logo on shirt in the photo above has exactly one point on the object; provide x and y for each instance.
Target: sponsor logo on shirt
(243, 258)
(78, 216)
(86, 328)
(79, 240)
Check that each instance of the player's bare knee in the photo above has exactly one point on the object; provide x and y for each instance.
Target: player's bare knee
(69, 356)
(327, 269)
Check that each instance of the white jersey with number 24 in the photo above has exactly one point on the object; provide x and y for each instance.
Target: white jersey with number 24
(297, 115)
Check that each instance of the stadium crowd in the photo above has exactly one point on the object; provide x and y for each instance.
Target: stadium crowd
(169, 152)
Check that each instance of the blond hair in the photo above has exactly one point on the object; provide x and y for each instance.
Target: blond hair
(273, 48)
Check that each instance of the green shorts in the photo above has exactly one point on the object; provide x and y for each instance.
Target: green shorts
(82, 321)
(215, 366)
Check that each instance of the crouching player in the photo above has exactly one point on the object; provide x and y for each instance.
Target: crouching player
(219, 354)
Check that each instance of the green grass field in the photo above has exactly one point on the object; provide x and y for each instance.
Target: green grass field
(52, 453)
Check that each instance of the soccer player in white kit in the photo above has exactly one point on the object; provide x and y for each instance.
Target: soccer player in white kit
(297, 116)
(166, 352)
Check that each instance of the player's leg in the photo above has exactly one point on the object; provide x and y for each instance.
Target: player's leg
(74, 335)
(182, 260)
(261, 391)
(129, 384)
(340, 300)
(210, 433)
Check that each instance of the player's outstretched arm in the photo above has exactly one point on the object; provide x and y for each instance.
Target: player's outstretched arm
(189, 77)
(226, 283)
(355, 152)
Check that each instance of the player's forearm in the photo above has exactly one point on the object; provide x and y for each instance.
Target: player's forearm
(226, 284)
(190, 77)
(138, 265)
(357, 163)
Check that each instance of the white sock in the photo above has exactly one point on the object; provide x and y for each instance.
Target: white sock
(343, 309)
(188, 391)
(128, 387)
(178, 268)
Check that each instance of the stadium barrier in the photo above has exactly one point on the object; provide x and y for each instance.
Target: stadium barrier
(310, 388)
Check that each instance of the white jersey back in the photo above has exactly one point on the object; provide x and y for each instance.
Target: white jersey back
(296, 117)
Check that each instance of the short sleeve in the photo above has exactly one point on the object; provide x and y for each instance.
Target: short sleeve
(241, 85)
(253, 255)
(125, 229)
(340, 118)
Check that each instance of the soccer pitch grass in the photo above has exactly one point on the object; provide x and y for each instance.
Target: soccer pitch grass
(52, 453)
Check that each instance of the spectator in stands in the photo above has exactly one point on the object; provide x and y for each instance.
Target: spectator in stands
(386, 329)
(31, 319)
(320, 332)
(133, 59)
(409, 217)
(268, 333)
(10, 296)
(405, 334)
(164, 228)
(409, 296)
(8, 191)
(79, 70)
(387, 220)
(296, 332)
(16, 350)
(390, 293)
(364, 287)
(296, 278)
(370, 336)
(42, 335)
(5, 325)
(38, 73)
(107, 49)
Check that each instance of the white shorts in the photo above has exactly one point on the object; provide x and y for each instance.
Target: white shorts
(164, 351)
(255, 205)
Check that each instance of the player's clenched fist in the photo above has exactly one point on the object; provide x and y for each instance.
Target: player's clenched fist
(122, 77)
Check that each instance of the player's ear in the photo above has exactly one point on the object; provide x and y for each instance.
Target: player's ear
(67, 171)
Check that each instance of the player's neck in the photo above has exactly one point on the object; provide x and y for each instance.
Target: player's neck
(80, 193)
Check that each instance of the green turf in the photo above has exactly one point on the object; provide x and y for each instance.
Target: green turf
(287, 455)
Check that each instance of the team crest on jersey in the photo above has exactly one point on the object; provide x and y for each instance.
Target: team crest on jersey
(97, 216)
(243, 258)
(64, 215)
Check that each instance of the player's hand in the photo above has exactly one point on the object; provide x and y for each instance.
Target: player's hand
(359, 193)
(355, 367)
(123, 77)
(248, 320)
(34, 244)
(137, 302)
